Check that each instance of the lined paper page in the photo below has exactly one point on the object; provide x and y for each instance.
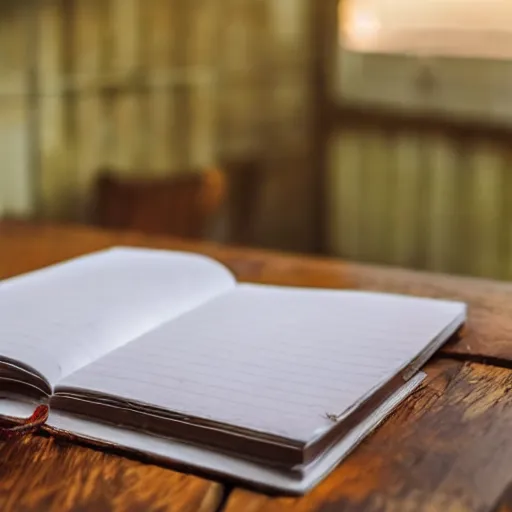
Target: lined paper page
(64, 317)
(272, 359)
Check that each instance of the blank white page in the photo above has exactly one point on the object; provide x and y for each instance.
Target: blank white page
(272, 359)
(63, 317)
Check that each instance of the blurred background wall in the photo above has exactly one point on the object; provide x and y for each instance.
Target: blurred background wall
(153, 87)
(369, 133)
(420, 161)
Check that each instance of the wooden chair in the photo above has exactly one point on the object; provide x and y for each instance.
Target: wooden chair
(181, 205)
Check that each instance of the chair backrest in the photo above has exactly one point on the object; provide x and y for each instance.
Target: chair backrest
(181, 204)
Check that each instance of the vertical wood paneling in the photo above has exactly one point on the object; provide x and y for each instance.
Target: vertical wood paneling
(129, 84)
(449, 200)
(124, 24)
(105, 84)
(506, 221)
(155, 86)
(146, 89)
(485, 209)
(404, 200)
(374, 197)
(125, 36)
(15, 187)
(90, 112)
(181, 92)
(344, 194)
(242, 82)
(442, 204)
(281, 86)
(13, 57)
(461, 238)
(161, 48)
(56, 152)
(203, 52)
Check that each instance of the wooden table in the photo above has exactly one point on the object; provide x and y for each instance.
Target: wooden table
(448, 448)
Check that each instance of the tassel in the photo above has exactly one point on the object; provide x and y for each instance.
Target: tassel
(27, 426)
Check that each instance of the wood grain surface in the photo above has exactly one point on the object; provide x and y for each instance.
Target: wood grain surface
(42, 474)
(447, 449)
(488, 336)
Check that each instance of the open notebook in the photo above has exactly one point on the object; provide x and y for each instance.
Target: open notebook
(164, 354)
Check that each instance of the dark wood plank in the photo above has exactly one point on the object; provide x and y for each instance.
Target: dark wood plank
(42, 474)
(353, 116)
(24, 247)
(448, 448)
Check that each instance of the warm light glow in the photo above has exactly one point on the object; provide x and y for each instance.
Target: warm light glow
(362, 27)
(452, 27)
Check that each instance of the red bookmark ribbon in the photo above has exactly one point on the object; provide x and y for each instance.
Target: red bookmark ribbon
(27, 426)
